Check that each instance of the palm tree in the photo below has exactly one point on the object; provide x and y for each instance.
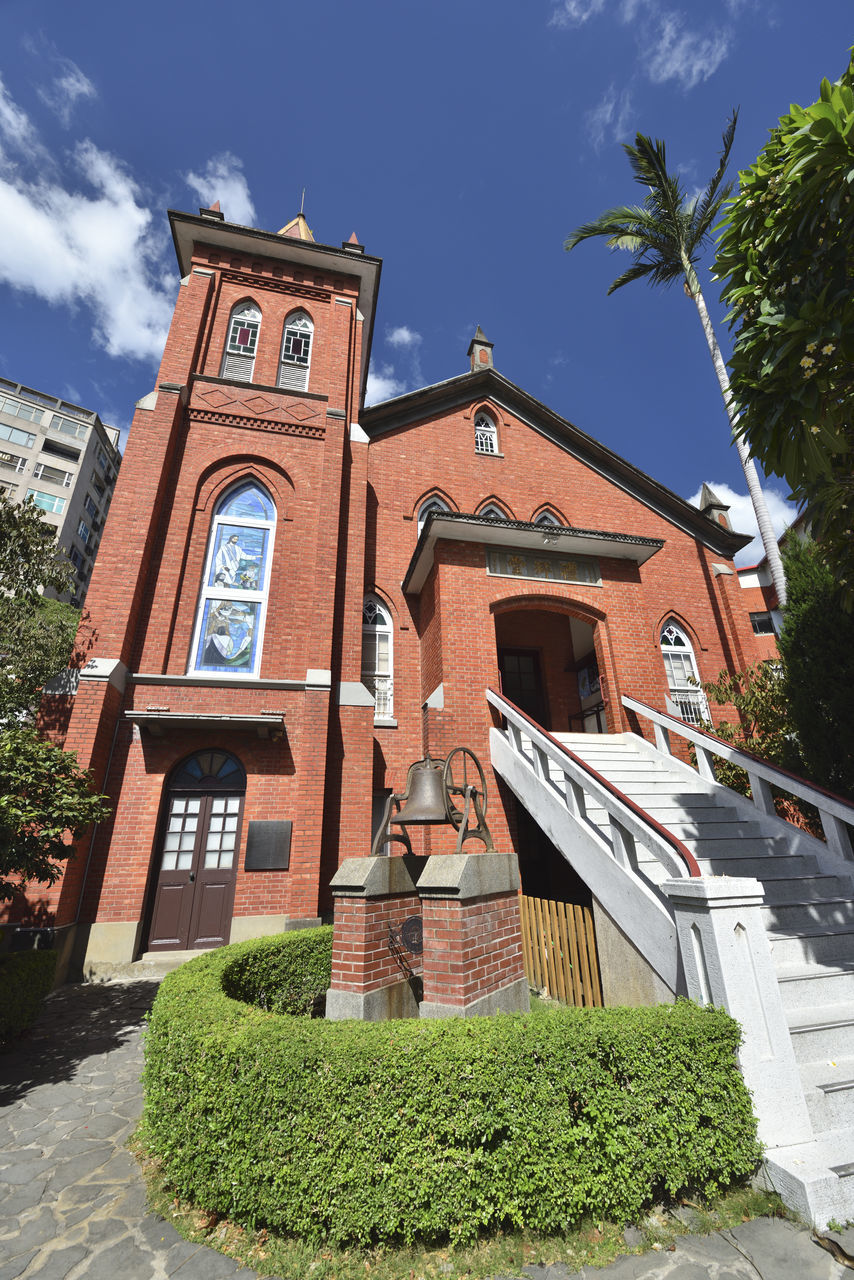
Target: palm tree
(666, 235)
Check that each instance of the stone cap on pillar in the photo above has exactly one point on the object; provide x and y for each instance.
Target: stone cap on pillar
(469, 875)
(377, 877)
(715, 891)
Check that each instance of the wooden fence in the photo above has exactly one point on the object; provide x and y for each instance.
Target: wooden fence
(559, 944)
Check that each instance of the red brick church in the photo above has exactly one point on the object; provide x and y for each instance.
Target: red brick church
(297, 596)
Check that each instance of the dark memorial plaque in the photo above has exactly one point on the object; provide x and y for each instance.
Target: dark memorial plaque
(268, 846)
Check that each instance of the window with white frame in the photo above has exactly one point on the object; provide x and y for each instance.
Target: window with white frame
(47, 501)
(485, 434)
(42, 471)
(762, 623)
(547, 517)
(242, 342)
(13, 462)
(492, 512)
(377, 656)
(296, 352)
(232, 606)
(84, 533)
(682, 675)
(15, 436)
(432, 504)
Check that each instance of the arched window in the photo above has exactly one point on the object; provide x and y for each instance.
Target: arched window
(242, 342)
(233, 601)
(378, 656)
(682, 675)
(492, 512)
(194, 889)
(547, 517)
(485, 434)
(296, 352)
(432, 504)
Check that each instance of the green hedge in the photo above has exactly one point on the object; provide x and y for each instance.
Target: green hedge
(286, 974)
(364, 1132)
(26, 977)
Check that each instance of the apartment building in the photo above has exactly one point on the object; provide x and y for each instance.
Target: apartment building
(64, 458)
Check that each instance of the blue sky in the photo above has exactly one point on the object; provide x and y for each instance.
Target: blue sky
(461, 140)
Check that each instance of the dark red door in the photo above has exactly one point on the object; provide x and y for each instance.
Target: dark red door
(195, 885)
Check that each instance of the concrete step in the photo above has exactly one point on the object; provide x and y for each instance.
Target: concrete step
(824, 1033)
(829, 1092)
(807, 889)
(805, 945)
(816, 1178)
(810, 986)
(151, 966)
(726, 830)
(834, 913)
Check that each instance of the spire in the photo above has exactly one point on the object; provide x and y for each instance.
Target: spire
(297, 229)
(712, 507)
(480, 351)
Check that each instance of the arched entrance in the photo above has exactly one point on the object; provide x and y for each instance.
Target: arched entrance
(195, 861)
(548, 665)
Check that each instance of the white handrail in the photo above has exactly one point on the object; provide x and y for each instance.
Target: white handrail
(836, 814)
(629, 825)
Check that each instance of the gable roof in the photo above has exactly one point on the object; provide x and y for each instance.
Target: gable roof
(487, 383)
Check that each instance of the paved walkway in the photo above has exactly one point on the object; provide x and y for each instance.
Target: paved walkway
(72, 1201)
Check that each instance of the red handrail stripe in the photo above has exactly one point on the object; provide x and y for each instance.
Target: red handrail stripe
(678, 847)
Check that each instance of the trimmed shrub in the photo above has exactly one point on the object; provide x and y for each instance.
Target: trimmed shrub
(26, 977)
(285, 974)
(443, 1129)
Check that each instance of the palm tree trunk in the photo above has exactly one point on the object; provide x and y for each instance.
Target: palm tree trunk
(754, 488)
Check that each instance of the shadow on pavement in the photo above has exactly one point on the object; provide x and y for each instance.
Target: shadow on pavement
(79, 1021)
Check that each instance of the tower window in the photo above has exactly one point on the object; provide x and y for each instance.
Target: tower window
(485, 434)
(377, 657)
(233, 599)
(244, 326)
(296, 352)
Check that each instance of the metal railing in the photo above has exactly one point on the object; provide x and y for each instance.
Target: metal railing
(578, 785)
(836, 814)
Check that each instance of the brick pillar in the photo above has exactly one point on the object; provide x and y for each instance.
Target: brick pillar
(373, 976)
(473, 960)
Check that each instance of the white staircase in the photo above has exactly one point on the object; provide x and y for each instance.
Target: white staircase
(807, 906)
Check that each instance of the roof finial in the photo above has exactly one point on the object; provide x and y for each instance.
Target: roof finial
(302, 202)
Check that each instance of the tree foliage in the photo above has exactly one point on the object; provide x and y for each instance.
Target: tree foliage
(787, 258)
(46, 800)
(817, 643)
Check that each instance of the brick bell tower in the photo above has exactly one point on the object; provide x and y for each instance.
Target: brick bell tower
(224, 575)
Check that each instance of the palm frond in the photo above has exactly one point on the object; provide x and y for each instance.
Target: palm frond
(707, 209)
(638, 271)
(648, 160)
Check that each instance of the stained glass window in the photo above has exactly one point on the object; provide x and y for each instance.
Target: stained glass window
(233, 601)
(243, 329)
(296, 352)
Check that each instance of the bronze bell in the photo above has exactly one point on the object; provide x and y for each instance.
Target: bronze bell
(425, 795)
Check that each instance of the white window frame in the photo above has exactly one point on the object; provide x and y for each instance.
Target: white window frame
(211, 590)
(547, 518)
(51, 502)
(680, 666)
(84, 532)
(238, 360)
(294, 368)
(492, 512)
(485, 433)
(377, 627)
(431, 504)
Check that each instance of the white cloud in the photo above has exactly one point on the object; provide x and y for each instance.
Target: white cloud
(85, 241)
(68, 87)
(610, 117)
(403, 336)
(674, 53)
(223, 179)
(743, 518)
(383, 384)
(574, 13)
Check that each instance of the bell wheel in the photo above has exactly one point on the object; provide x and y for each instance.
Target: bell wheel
(462, 773)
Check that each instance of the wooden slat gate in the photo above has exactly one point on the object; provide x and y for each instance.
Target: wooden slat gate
(559, 944)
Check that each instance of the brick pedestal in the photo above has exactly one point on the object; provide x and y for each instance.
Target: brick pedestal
(473, 962)
(472, 957)
(373, 977)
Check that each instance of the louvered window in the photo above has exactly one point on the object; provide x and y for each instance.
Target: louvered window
(296, 352)
(239, 360)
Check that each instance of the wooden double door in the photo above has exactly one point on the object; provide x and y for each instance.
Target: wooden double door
(196, 861)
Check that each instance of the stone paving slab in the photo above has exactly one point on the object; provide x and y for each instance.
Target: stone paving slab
(72, 1200)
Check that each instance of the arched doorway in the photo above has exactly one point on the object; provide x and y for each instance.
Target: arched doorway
(548, 665)
(196, 854)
